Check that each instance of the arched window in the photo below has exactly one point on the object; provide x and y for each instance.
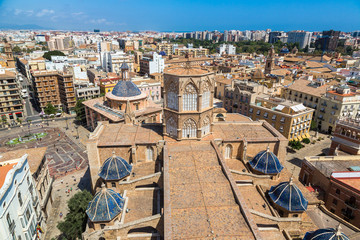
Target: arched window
(205, 126)
(205, 102)
(149, 153)
(171, 128)
(228, 151)
(20, 199)
(172, 98)
(190, 98)
(189, 129)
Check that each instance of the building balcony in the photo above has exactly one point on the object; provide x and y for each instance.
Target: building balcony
(347, 214)
(351, 204)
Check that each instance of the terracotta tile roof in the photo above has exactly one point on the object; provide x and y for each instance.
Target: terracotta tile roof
(302, 85)
(186, 71)
(35, 156)
(122, 134)
(236, 131)
(3, 172)
(198, 209)
(236, 117)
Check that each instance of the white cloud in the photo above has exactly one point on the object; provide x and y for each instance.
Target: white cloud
(45, 12)
(23, 12)
(77, 13)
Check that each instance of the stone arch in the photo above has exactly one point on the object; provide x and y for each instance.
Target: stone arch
(189, 128)
(228, 151)
(171, 127)
(187, 82)
(172, 96)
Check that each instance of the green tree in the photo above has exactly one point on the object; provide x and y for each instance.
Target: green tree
(50, 109)
(74, 223)
(80, 111)
(16, 49)
(48, 55)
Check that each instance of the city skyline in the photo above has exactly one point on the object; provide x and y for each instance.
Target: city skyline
(181, 16)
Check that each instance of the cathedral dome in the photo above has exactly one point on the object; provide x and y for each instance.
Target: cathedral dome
(126, 89)
(124, 66)
(258, 74)
(326, 234)
(105, 205)
(115, 168)
(266, 162)
(288, 196)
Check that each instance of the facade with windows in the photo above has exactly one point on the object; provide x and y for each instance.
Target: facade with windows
(188, 102)
(330, 102)
(291, 119)
(19, 203)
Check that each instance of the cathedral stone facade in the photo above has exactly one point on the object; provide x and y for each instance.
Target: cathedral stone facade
(188, 102)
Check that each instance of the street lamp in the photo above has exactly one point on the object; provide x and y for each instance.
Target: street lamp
(77, 131)
(67, 126)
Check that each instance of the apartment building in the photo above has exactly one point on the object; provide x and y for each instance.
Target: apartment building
(19, 211)
(85, 90)
(346, 137)
(59, 43)
(152, 64)
(337, 181)
(55, 88)
(238, 96)
(11, 104)
(291, 119)
(329, 101)
(67, 91)
(165, 47)
(192, 52)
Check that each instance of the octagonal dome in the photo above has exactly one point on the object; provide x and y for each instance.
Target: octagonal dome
(105, 206)
(115, 168)
(288, 196)
(266, 162)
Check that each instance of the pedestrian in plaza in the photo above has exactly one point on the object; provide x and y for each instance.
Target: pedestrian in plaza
(60, 214)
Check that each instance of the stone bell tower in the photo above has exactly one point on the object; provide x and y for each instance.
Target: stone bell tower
(270, 61)
(9, 55)
(188, 102)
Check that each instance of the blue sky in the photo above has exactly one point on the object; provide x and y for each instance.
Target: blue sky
(184, 15)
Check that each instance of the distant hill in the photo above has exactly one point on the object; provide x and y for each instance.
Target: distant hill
(5, 26)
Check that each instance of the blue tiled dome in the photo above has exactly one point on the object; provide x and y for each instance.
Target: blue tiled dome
(115, 168)
(124, 66)
(126, 89)
(105, 205)
(284, 50)
(287, 195)
(326, 234)
(266, 162)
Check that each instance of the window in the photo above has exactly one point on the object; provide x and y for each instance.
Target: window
(172, 100)
(258, 112)
(171, 128)
(189, 129)
(281, 129)
(102, 226)
(113, 184)
(205, 126)
(20, 199)
(334, 201)
(266, 115)
(337, 191)
(149, 153)
(190, 98)
(205, 100)
(282, 120)
(228, 151)
(251, 110)
(274, 117)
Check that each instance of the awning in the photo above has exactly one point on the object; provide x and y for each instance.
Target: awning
(18, 113)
